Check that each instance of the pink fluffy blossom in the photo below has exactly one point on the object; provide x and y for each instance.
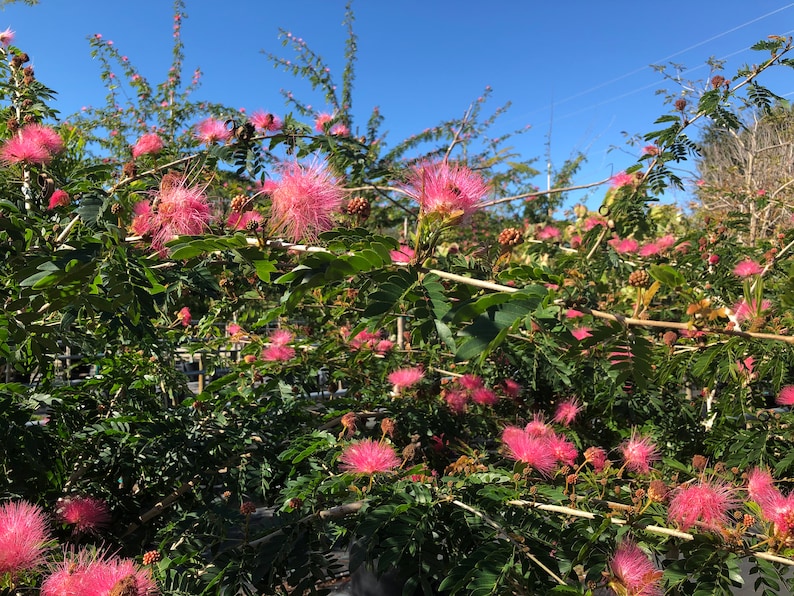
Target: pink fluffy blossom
(649, 250)
(211, 131)
(33, 144)
(581, 333)
(456, 401)
(470, 382)
(622, 179)
(143, 218)
(484, 396)
(706, 504)
(184, 316)
(592, 222)
(746, 268)
(369, 457)
(98, 575)
(266, 121)
(304, 201)
(666, 242)
(340, 130)
(531, 449)
(148, 144)
(181, 211)
(406, 377)
(322, 121)
(537, 427)
(403, 255)
(786, 396)
(775, 507)
(563, 449)
(567, 411)
(23, 535)
(445, 189)
(624, 246)
(639, 453)
(547, 232)
(744, 311)
(572, 313)
(86, 514)
(6, 37)
(59, 198)
(280, 337)
(511, 388)
(632, 573)
(277, 353)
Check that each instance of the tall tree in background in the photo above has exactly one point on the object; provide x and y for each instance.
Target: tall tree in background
(749, 171)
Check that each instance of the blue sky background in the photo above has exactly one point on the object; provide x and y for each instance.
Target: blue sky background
(579, 70)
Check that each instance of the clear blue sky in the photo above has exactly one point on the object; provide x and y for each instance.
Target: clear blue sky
(579, 69)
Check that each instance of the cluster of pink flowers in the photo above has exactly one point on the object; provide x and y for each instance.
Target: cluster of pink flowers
(469, 388)
(369, 457)
(98, 575)
(369, 341)
(278, 350)
(304, 201)
(180, 210)
(775, 507)
(33, 144)
(658, 246)
(538, 446)
(624, 245)
(445, 189)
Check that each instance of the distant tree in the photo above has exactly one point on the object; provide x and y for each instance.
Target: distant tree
(749, 171)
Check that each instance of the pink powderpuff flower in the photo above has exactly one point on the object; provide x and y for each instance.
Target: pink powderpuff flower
(743, 311)
(456, 401)
(369, 457)
(632, 573)
(567, 411)
(364, 339)
(746, 268)
(6, 37)
(181, 211)
(484, 397)
(84, 574)
(581, 333)
(143, 219)
(280, 337)
(622, 179)
(638, 454)
(233, 329)
(470, 382)
(33, 144)
(706, 504)
(86, 514)
(148, 144)
(785, 396)
(592, 222)
(383, 346)
(322, 121)
(576, 241)
(248, 220)
(547, 232)
(538, 427)
(511, 388)
(761, 489)
(23, 535)
(303, 202)
(445, 189)
(59, 198)
(405, 377)
(184, 316)
(625, 246)
(340, 130)
(597, 457)
(530, 449)
(211, 131)
(265, 121)
(666, 242)
(564, 450)
(572, 313)
(649, 250)
(277, 353)
(403, 255)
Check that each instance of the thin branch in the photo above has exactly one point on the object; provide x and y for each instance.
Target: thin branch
(539, 193)
(505, 536)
